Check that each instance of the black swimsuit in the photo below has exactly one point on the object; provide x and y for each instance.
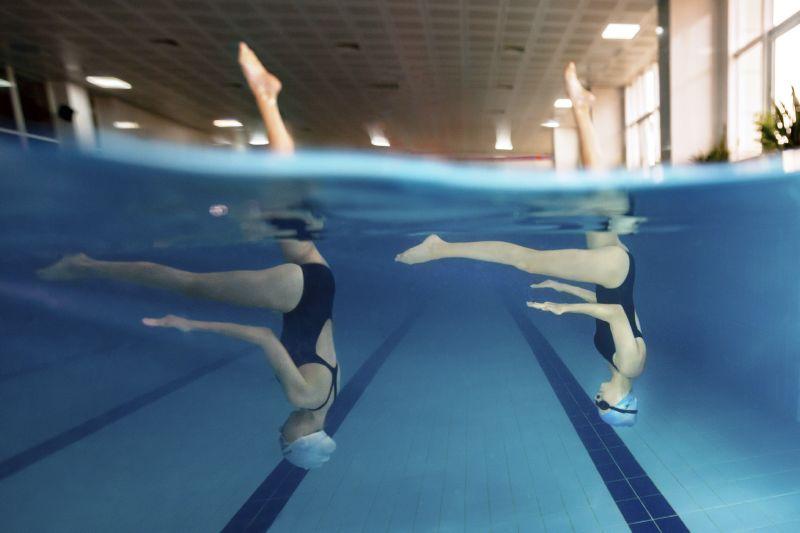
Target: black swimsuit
(622, 295)
(303, 325)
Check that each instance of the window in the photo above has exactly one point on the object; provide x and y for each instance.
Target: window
(643, 121)
(764, 36)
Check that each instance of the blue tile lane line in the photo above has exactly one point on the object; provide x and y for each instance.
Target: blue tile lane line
(262, 508)
(36, 453)
(637, 497)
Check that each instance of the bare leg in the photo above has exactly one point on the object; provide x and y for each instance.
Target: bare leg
(265, 87)
(581, 106)
(606, 266)
(278, 288)
(301, 391)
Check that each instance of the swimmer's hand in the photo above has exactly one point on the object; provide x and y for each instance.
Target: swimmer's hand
(550, 307)
(548, 284)
(170, 321)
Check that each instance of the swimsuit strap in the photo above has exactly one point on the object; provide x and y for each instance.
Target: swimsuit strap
(334, 370)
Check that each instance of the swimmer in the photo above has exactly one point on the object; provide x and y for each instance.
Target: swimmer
(304, 357)
(606, 263)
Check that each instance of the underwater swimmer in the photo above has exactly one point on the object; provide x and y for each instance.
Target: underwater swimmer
(606, 263)
(304, 357)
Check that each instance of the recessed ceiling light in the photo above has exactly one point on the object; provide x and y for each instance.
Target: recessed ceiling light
(513, 49)
(562, 103)
(348, 46)
(550, 124)
(166, 41)
(4, 83)
(126, 125)
(258, 139)
(620, 31)
(227, 123)
(503, 138)
(387, 85)
(377, 139)
(108, 82)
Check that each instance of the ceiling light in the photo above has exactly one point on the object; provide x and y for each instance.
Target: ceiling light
(659, 30)
(562, 103)
(378, 139)
(126, 125)
(258, 139)
(108, 82)
(227, 123)
(620, 31)
(503, 138)
(513, 50)
(4, 83)
(550, 124)
(349, 46)
(503, 144)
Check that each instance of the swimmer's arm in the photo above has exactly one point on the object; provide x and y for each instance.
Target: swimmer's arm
(584, 294)
(629, 358)
(298, 391)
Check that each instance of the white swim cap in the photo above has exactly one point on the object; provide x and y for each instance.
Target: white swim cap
(615, 415)
(310, 451)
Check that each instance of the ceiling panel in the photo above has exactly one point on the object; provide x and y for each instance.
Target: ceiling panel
(438, 75)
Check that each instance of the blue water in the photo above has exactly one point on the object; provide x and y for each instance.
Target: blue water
(461, 410)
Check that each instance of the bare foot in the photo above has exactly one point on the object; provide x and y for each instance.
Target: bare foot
(261, 81)
(580, 97)
(422, 252)
(67, 268)
(169, 321)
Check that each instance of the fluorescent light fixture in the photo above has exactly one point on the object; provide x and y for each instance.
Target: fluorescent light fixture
(227, 123)
(4, 83)
(503, 144)
(379, 140)
(562, 103)
(108, 82)
(550, 124)
(503, 138)
(126, 125)
(377, 137)
(258, 139)
(620, 31)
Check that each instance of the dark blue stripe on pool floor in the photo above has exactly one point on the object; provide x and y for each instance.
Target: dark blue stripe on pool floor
(262, 508)
(44, 449)
(637, 497)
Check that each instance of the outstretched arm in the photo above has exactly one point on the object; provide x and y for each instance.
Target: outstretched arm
(266, 87)
(298, 391)
(584, 294)
(630, 356)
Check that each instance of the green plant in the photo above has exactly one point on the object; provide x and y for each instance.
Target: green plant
(718, 153)
(779, 130)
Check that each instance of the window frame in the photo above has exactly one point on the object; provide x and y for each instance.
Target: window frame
(769, 33)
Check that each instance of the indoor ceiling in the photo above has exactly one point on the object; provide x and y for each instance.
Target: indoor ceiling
(436, 75)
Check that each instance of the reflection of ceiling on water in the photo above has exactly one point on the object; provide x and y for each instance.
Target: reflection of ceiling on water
(437, 74)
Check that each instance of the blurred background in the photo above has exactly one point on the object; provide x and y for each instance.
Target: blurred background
(674, 79)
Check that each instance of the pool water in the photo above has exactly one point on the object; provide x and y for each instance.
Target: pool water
(460, 409)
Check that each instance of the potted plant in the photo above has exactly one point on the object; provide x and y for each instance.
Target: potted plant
(779, 129)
